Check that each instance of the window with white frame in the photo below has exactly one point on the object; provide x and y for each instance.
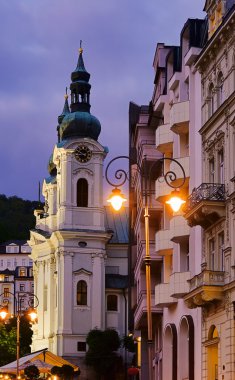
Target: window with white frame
(212, 253)
(221, 250)
(221, 166)
(12, 248)
(212, 170)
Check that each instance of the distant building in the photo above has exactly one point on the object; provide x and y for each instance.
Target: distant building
(79, 247)
(16, 273)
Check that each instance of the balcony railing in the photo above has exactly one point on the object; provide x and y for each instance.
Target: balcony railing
(206, 205)
(206, 192)
(204, 288)
(207, 278)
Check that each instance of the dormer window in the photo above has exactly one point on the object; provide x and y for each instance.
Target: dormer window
(22, 272)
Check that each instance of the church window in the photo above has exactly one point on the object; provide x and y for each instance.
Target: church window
(112, 302)
(82, 293)
(82, 193)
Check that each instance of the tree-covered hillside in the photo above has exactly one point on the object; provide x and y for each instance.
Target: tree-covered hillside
(16, 217)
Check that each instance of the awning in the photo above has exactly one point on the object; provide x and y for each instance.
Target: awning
(43, 359)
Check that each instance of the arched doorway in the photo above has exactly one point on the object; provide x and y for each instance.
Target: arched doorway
(212, 353)
(170, 353)
(186, 348)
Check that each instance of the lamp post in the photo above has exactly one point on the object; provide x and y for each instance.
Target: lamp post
(117, 198)
(18, 297)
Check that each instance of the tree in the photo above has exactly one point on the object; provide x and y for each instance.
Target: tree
(8, 339)
(31, 372)
(7, 344)
(68, 371)
(16, 217)
(56, 371)
(25, 333)
(102, 355)
(65, 372)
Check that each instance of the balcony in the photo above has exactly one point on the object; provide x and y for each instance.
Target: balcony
(206, 287)
(147, 148)
(179, 229)
(163, 296)
(164, 138)
(179, 285)
(140, 315)
(179, 117)
(179, 175)
(206, 205)
(163, 243)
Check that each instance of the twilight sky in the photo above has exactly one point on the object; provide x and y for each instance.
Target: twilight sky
(39, 41)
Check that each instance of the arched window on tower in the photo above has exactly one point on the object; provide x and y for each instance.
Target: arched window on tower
(82, 193)
(81, 292)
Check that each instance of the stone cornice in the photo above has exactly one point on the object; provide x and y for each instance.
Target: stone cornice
(223, 32)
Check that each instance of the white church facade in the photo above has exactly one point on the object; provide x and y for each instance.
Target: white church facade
(79, 247)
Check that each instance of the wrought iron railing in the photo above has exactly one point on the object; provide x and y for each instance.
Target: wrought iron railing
(206, 191)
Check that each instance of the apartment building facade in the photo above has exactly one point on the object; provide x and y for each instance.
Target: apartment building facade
(171, 124)
(16, 274)
(211, 204)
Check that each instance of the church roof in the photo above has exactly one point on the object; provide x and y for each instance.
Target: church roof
(118, 223)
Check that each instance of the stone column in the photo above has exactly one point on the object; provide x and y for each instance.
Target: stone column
(98, 290)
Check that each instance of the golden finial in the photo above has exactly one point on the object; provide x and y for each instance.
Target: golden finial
(80, 49)
(66, 95)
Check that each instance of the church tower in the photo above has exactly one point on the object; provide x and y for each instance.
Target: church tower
(69, 243)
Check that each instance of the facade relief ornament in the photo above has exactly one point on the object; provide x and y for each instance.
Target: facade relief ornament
(101, 255)
(83, 171)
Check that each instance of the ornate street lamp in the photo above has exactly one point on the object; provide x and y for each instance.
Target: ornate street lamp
(117, 199)
(18, 297)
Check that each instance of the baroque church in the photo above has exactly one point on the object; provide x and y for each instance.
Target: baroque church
(79, 247)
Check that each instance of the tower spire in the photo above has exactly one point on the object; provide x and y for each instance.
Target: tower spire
(66, 109)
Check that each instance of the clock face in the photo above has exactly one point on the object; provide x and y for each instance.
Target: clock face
(82, 153)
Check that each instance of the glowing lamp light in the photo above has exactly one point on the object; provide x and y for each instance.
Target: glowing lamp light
(116, 199)
(175, 202)
(33, 314)
(3, 313)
